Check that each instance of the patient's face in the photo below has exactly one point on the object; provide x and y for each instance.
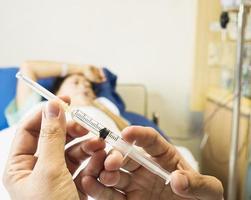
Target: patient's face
(78, 88)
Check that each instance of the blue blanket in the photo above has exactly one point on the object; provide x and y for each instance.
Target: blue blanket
(107, 89)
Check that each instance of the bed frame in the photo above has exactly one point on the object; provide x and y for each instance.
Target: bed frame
(136, 99)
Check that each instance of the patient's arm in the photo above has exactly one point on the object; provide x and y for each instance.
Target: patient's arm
(43, 69)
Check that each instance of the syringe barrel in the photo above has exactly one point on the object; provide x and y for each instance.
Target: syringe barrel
(85, 121)
(140, 157)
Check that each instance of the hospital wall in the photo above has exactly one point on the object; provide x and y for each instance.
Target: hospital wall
(144, 41)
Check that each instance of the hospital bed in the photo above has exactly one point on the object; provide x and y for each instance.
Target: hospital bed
(138, 105)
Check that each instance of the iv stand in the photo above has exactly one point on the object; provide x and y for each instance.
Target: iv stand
(232, 177)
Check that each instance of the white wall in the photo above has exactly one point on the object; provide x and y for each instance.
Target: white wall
(143, 41)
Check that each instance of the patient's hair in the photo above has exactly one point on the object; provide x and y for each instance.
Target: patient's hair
(59, 80)
(57, 83)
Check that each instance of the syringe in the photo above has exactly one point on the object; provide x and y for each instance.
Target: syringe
(101, 131)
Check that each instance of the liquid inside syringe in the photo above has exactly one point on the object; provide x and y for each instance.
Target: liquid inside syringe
(101, 131)
(92, 125)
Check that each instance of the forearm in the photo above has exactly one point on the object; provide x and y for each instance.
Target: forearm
(43, 69)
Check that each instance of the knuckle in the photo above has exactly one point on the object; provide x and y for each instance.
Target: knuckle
(131, 129)
(150, 129)
(152, 132)
(51, 131)
(134, 129)
(219, 186)
(9, 177)
(208, 184)
(53, 171)
(106, 194)
(5, 180)
(200, 181)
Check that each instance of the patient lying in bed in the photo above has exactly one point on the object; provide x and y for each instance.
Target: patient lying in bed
(77, 82)
(89, 87)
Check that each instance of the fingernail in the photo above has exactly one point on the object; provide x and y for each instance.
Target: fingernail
(79, 129)
(51, 110)
(183, 180)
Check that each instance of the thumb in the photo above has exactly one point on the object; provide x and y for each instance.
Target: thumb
(189, 184)
(52, 132)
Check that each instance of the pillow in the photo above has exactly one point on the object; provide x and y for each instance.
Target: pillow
(108, 90)
(8, 83)
(8, 91)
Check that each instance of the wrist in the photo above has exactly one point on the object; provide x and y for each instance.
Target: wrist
(75, 69)
(85, 68)
(64, 70)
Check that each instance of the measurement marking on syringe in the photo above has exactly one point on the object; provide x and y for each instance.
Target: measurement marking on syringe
(113, 136)
(84, 118)
(95, 125)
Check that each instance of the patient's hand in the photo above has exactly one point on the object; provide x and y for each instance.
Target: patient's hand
(142, 184)
(94, 74)
(49, 175)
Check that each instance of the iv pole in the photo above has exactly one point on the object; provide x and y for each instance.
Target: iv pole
(232, 177)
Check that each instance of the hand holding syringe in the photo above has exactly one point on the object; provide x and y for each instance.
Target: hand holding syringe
(99, 130)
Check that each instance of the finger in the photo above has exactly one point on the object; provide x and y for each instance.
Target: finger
(115, 161)
(99, 77)
(102, 75)
(53, 132)
(127, 182)
(95, 165)
(74, 130)
(96, 190)
(155, 145)
(194, 185)
(26, 139)
(93, 168)
(77, 153)
(66, 99)
(118, 179)
(97, 74)
(109, 178)
(147, 138)
(82, 196)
